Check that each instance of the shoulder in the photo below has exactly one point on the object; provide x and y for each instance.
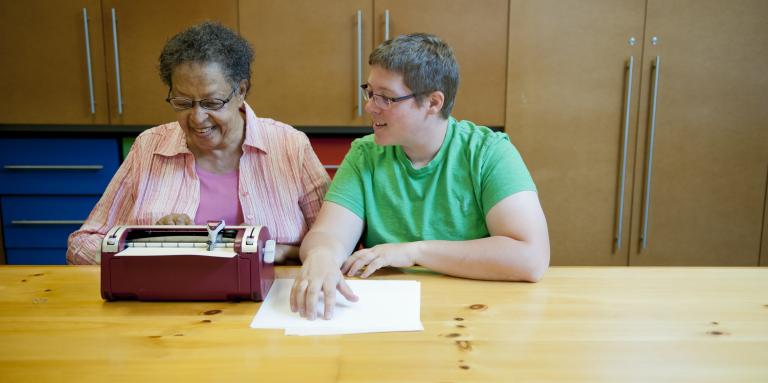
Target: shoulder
(167, 139)
(472, 135)
(274, 134)
(366, 146)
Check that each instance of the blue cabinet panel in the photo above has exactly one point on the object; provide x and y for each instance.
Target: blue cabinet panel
(37, 256)
(57, 166)
(36, 221)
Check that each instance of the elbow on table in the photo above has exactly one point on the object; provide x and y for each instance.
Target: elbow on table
(532, 269)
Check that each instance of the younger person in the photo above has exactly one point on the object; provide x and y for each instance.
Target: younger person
(428, 190)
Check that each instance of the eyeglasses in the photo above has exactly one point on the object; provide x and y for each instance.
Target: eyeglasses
(183, 103)
(381, 100)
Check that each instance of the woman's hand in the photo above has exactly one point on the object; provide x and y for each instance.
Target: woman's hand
(366, 261)
(319, 274)
(175, 219)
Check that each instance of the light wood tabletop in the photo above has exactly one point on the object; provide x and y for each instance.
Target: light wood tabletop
(579, 324)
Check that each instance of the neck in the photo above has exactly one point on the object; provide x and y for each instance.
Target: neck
(424, 147)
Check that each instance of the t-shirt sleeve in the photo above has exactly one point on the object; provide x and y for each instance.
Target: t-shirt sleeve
(347, 187)
(503, 173)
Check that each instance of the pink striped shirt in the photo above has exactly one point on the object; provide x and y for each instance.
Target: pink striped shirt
(281, 185)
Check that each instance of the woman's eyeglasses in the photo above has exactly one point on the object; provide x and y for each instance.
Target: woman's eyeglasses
(183, 103)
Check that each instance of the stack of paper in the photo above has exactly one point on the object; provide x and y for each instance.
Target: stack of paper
(384, 306)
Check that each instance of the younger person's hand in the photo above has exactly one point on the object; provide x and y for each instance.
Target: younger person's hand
(366, 261)
(319, 275)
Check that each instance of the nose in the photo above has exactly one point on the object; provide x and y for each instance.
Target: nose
(371, 107)
(198, 114)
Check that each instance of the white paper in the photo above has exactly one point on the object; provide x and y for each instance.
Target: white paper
(384, 306)
(166, 251)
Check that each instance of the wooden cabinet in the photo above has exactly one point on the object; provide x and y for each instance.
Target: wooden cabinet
(569, 77)
(44, 73)
(309, 76)
(477, 32)
(702, 170)
(764, 249)
(141, 28)
(308, 58)
(581, 116)
(48, 77)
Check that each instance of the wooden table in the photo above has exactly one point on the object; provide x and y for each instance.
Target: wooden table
(579, 324)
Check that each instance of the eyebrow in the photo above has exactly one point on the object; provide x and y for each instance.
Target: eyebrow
(177, 93)
(381, 89)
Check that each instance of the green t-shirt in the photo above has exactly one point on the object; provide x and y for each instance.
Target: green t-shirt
(448, 199)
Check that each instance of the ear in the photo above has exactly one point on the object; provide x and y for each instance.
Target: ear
(242, 88)
(435, 101)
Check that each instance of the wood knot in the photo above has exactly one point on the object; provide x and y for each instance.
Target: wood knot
(478, 306)
(717, 333)
(453, 335)
(458, 319)
(212, 312)
(464, 367)
(464, 345)
(205, 321)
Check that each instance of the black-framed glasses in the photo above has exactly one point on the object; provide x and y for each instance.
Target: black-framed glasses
(381, 100)
(183, 103)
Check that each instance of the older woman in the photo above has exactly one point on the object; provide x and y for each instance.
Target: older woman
(217, 161)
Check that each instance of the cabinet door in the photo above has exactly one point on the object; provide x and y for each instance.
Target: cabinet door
(704, 165)
(569, 78)
(764, 249)
(45, 70)
(477, 32)
(308, 55)
(2, 248)
(142, 29)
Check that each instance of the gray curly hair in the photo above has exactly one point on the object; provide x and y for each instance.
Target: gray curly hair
(209, 42)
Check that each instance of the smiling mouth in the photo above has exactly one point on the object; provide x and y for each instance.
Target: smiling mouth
(204, 131)
(379, 124)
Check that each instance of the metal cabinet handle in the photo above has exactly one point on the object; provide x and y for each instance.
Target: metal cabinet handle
(47, 222)
(649, 167)
(117, 64)
(359, 62)
(625, 139)
(386, 24)
(88, 59)
(53, 167)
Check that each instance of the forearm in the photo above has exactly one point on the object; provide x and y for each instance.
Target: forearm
(84, 248)
(492, 258)
(323, 245)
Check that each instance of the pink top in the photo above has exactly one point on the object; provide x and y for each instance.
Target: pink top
(281, 185)
(218, 198)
